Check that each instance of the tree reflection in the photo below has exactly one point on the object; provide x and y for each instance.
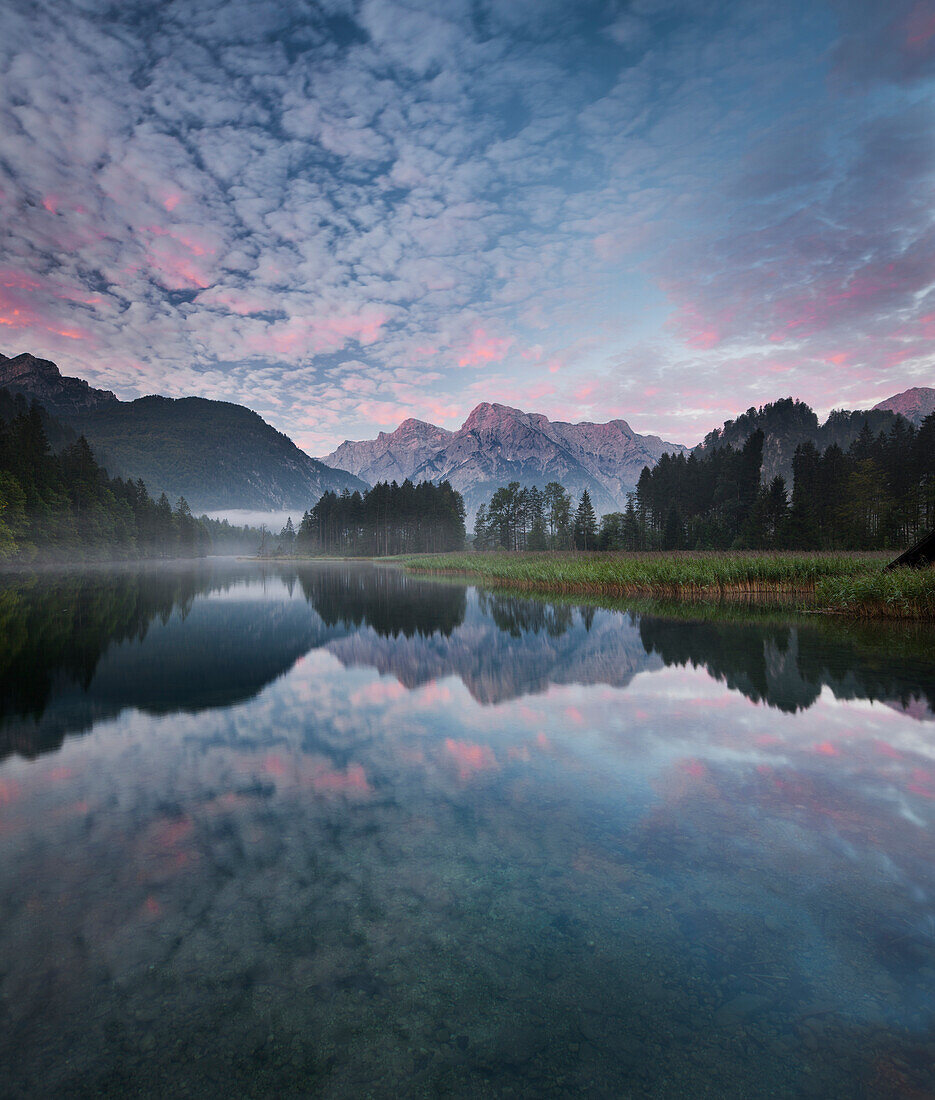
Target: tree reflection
(389, 601)
(517, 616)
(787, 666)
(76, 647)
(55, 629)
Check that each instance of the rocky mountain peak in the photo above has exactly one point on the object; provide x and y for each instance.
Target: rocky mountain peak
(914, 404)
(41, 379)
(487, 416)
(413, 427)
(497, 444)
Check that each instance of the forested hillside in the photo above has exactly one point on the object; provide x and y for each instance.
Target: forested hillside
(64, 506)
(878, 493)
(786, 424)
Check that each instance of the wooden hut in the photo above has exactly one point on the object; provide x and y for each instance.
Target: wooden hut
(919, 555)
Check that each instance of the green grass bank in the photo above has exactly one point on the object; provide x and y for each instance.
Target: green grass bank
(846, 584)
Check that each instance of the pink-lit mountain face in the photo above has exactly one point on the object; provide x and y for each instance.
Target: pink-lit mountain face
(915, 404)
(392, 456)
(498, 444)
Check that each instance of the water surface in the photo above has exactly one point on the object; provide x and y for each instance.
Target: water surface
(339, 832)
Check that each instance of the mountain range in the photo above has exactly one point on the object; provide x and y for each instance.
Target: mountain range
(215, 454)
(220, 455)
(498, 444)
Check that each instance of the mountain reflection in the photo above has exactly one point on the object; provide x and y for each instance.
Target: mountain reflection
(80, 647)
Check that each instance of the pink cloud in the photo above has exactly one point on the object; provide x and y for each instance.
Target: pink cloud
(273, 765)
(28, 303)
(434, 693)
(301, 336)
(178, 258)
(9, 791)
(383, 413)
(922, 782)
(235, 300)
(485, 348)
(919, 27)
(886, 749)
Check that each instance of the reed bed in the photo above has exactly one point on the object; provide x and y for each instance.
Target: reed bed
(900, 594)
(848, 584)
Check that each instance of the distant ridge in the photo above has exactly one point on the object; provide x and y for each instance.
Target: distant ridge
(221, 455)
(216, 454)
(498, 444)
(40, 379)
(915, 404)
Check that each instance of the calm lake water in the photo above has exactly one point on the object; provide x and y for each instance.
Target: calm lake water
(333, 831)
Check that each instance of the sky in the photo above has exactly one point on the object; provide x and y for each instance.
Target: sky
(343, 213)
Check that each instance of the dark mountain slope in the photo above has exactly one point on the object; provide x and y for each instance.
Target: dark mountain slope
(214, 453)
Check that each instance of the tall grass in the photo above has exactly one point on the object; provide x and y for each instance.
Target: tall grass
(852, 584)
(900, 594)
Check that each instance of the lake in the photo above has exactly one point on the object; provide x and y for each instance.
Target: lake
(330, 830)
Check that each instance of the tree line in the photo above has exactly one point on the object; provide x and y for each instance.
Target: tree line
(63, 504)
(387, 519)
(879, 493)
(528, 518)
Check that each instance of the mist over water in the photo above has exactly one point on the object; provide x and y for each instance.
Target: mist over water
(334, 830)
(242, 517)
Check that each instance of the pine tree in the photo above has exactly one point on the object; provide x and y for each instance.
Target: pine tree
(535, 520)
(672, 536)
(585, 529)
(481, 533)
(287, 537)
(632, 529)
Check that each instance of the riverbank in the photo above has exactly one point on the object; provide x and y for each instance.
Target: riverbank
(853, 584)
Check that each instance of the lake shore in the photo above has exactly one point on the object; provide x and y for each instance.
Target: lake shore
(850, 584)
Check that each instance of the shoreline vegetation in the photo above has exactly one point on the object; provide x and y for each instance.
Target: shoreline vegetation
(853, 585)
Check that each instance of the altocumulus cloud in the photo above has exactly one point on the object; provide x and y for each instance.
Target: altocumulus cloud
(348, 212)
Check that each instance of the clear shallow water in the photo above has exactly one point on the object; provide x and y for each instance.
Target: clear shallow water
(338, 832)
